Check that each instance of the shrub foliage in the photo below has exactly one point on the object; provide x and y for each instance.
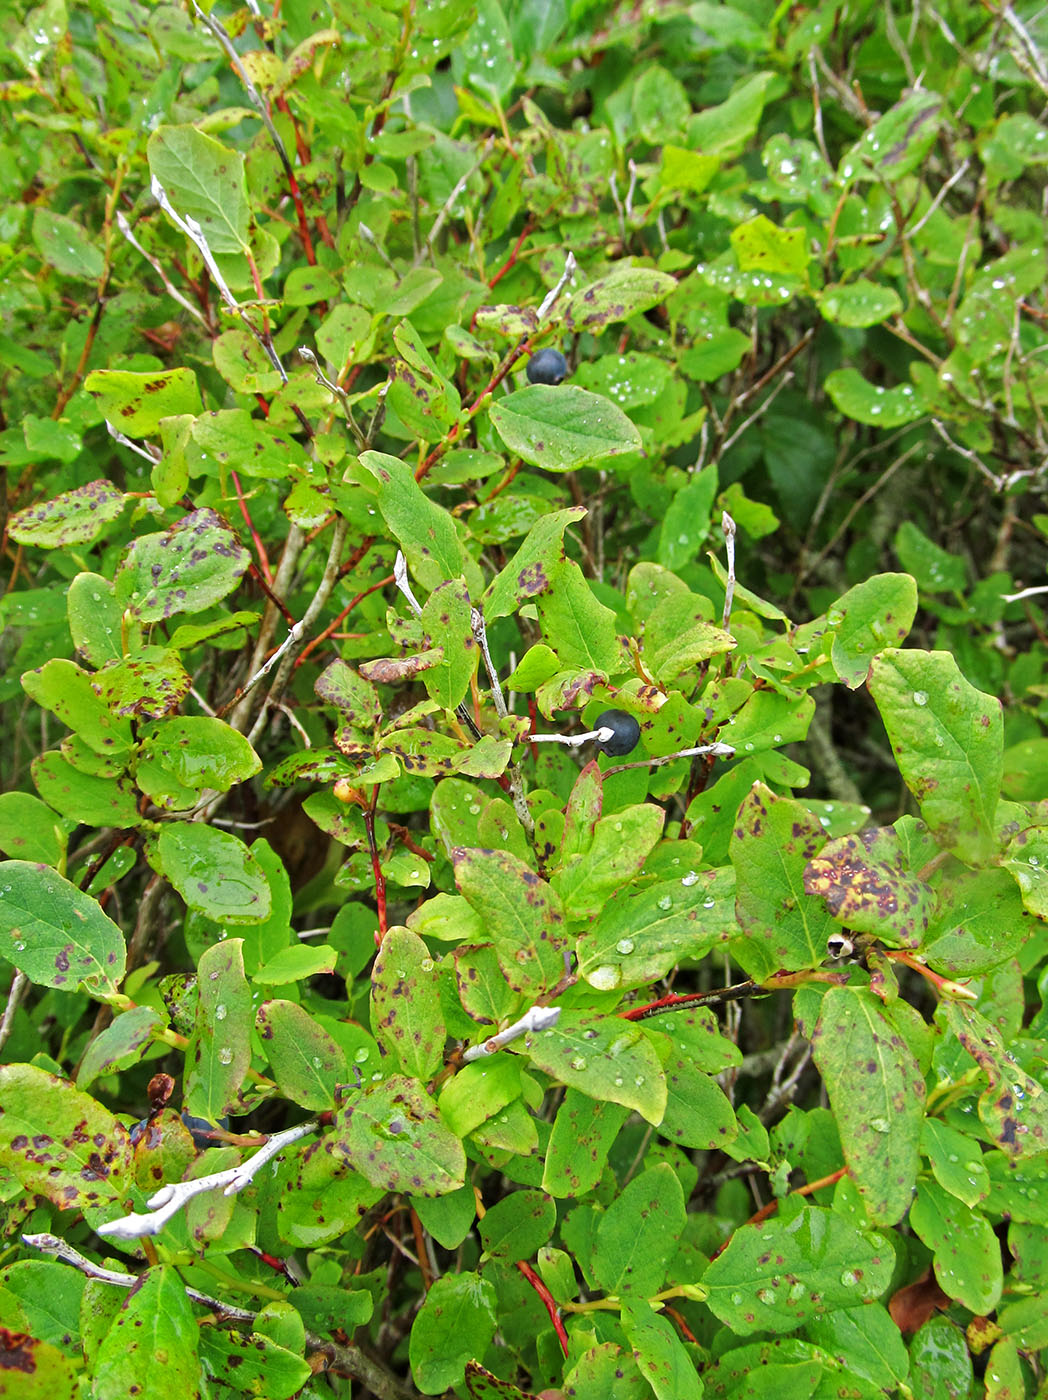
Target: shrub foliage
(714, 1066)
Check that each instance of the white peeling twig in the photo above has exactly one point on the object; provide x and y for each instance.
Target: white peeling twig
(1025, 593)
(476, 618)
(966, 453)
(19, 982)
(570, 267)
(958, 174)
(449, 203)
(170, 1199)
(536, 1018)
(304, 353)
(158, 267)
(291, 638)
(195, 234)
(151, 454)
(51, 1244)
(728, 526)
(570, 741)
(400, 578)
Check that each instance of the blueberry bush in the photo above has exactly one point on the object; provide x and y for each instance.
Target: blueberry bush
(525, 690)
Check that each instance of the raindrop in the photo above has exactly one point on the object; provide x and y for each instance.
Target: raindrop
(578, 1062)
(226, 1055)
(920, 697)
(220, 1012)
(665, 902)
(690, 879)
(625, 946)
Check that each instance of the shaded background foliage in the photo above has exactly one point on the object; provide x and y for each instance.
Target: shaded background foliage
(806, 288)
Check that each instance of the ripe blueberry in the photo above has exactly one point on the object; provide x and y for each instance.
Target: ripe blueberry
(200, 1129)
(625, 732)
(547, 367)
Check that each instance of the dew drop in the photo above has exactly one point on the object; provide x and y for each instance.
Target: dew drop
(578, 1062)
(226, 1055)
(625, 946)
(920, 697)
(220, 1012)
(665, 902)
(690, 879)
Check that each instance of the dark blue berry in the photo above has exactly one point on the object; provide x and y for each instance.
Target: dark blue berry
(625, 732)
(547, 367)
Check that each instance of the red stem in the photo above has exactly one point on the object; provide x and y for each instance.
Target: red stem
(260, 548)
(333, 627)
(549, 1302)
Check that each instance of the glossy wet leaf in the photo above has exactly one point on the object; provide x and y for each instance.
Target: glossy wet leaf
(659, 1352)
(425, 532)
(119, 1045)
(775, 1275)
(94, 619)
(562, 427)
(859, 304)
(898, 142)
(1014, 1106)
(155, 1319)
(621, 294)
(150, 684)
(583, 1132)
(200, 752)
(867, 885)
(54, 933)
(306, 1063)
(392, 1134)
(219, 1050)
(857, 398)
(518, 1225)
(606, 1059)
(967, 1256)
(947, 737)
(877, 1093)
(876, 613)
(405, 1004)
(214, 872)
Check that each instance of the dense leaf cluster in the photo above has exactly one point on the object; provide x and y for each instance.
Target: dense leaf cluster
(524, 697)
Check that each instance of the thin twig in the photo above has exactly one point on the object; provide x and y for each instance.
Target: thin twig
(19, 982)
(536, 1018)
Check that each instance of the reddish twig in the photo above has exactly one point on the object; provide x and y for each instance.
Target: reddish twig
(260, 549)
(333, 627)
(548, 1301)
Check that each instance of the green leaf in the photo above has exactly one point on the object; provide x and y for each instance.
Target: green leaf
(200, 752)
(562, 427)
(392, 1134)
(1027, 859)
(148, 684)
(948, 740)
(607, 1059)
(30, 830)
(632, 1260)
(579, 628)
(406, 1016)
(774, 1276)
(877, 1092)
(725, 129)
(714, 354)
(84, 797)
(518, 1225)
(583, 1132)
(295, 964)
(214, 872)
(189, 567)
(56, 934)
(306, 1062)
(446, 620)
(967, 1256)
(620, 846)
(63, 688)
(219, 1052)
(522, 916)
(134, 401)
(94, 619)
(640, 934)
(240, 443)
(659, 1352)
(859, 303)
(876, 613)
(60, 1143)
(935, 569)
(534, 566)
(866, 1340)
(686, 523)
(772, 842)
(897, 143)
(956, 1161)
(254, 1364)
(67, 245)
(456, 1322)
(857, 398)
(118, 1046)
(75, 517)
(425, 532)
(478, 1091)
(623, 293)
(155, 1320)
(761, 246)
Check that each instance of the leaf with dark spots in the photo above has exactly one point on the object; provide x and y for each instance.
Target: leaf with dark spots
(394, 670)
(54, 933)
(354, 698)
(393, 1135)
(1014, 1106)
(76, 517)
(623, 292)
(867, 887)
(406, 1012)
(190, 567)
(60, 1143)
(521, 913)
